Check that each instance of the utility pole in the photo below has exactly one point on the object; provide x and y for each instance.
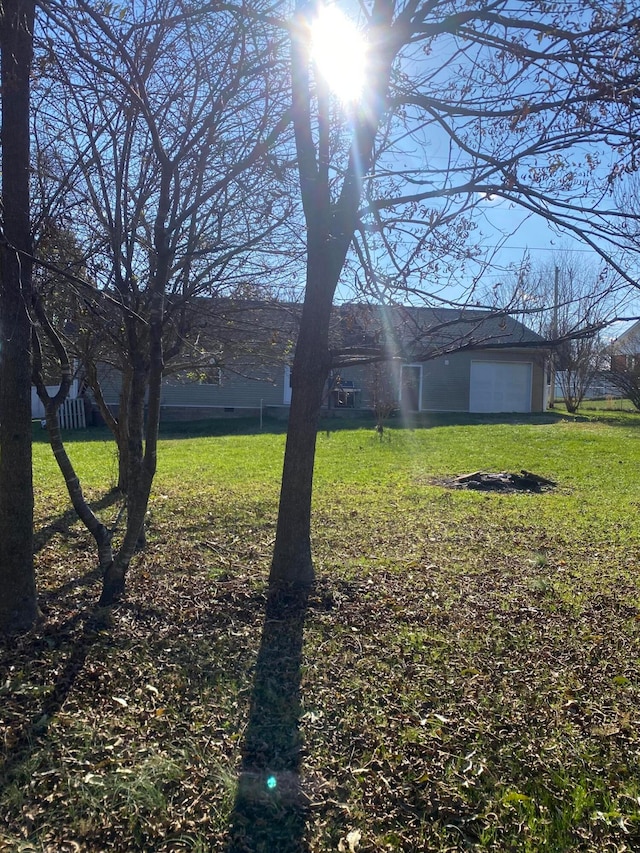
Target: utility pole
(554, 336)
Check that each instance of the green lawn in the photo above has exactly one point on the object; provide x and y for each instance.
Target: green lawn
(466, 674)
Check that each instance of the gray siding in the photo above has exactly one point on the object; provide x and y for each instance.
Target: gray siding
(445, 385)
(445, 380)
(110, 382)
(234, 391)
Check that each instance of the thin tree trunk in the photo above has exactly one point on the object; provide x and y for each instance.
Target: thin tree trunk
(18, 603)
(292, 563)
(330, 226)
(115, 574)
(121, 434)
(142, 469)
(100, 533)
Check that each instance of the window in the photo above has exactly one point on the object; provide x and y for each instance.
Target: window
(344, 394)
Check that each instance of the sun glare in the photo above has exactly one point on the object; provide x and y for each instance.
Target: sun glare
(339, 52)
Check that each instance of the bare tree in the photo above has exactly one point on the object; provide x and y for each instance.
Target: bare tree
(18, 604)
(384, 394)
(570, 303)
(578, 362)
(463, 101)
(166, 116)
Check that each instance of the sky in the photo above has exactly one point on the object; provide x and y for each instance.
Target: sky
(545, 245)
(519, 233)
(528, 235)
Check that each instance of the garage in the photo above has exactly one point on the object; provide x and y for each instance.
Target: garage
(500, 386)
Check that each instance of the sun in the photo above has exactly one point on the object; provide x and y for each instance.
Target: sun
(339, 53)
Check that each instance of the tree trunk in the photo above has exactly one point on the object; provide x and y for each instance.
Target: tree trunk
(121, 433)
(146, 373)
(18, 603)
(52, 403)
(100, 533)
(114, 580)
(142, 466)
(142, 469)
(330, 222)
(137, 491)
(292, 563)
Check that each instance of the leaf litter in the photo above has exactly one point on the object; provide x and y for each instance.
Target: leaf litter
(444, 704)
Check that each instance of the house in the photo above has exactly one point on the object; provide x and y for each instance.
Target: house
(452, 360)
(624, 370)
(408, 358)
(625, 350)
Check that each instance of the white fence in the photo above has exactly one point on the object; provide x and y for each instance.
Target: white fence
(71, 412)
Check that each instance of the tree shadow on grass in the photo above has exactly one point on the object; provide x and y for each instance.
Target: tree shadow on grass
(63, 523)
(32, 733)
(269, 812)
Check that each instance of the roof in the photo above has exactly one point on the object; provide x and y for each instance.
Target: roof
(421, 333)
(630, 336)
(251, 332)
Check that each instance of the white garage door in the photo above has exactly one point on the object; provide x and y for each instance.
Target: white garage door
(500, 386)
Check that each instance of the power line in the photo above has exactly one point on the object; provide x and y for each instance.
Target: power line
(559, 249)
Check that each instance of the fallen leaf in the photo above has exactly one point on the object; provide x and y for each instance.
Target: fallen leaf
(353, 842)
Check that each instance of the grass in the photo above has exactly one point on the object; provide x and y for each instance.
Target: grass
(465, 676)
